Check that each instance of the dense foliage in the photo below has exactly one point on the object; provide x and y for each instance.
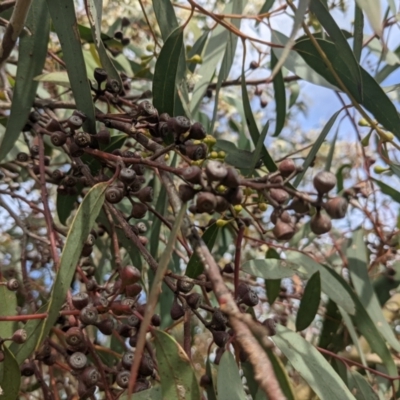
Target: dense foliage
(169, 229)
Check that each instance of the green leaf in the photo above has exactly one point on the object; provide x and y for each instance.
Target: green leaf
(359, 386)
(329, 158)
(80, 228)
(330, 286)
(8, 301)
(197, 48)
(332, 333)
(251, 124)
(166, 17)
(11, 379)
(259, 148)
(94, 11)
(311, 365)
(309, 302)
(65, 205)
(314, 150)
(343, 49)
(38, 24)
(64, 21)
(358, 266)
(358, 32)
(388, 190)
(210, 388)
(228, 381)
(280, 97)
(375, 99)
(178, 380)
(272, 286)
(270, 268)
(372, 9)
(195, 266)
(265, 7)
(58, 78)
(164, 87)
(150, 394)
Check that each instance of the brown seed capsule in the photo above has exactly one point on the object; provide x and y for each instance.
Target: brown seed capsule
(216, 171)
(34, 150)
(251, 298)
(138, 211)
(75, 150)
(129, 275)
(27, 368)
(206, 202)
(127, 360)
(320, 223)
(90, 376)
(283, 230)
(133, 321)
(100, 75)
(143, 240)
(192, 174)
(140, 386)
(242, 290)
(179, 125)
(195, 151)
(156, 320)
(222, 204)
(133, 340)
(186, 192)
(145, 194)
(177, 310)
(19, 336)
(103, 136)
(133, 290)
(232, 178)
(146, 365)
(114, 194)
(220, 338)
(185, 285)
(80, 300)
(197, 131)
(106, 326)
(299, 205)
(279, 195)
(218, 320)
(89, 315)
(125, 22)
(53, 125)
(77, 361)
(22, 157)
(58, 138)
(164, 117)
(205, 381)
(124, 330)
(123, 378)
(336, 207)
(324, 181)
(270, 324)
(74, 122)
(13, 284)
(254, 64)
(74, 336)
(193, 300)
(287, 167)
(127, 175)
(113, 86)
(147, 109)
(228, 269)
(234, 196)
(118, 35)
(82, 139)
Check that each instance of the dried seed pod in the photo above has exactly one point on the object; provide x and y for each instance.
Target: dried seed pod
(103, 136)
(279, 195)
(299, 205)
(177, 310)
(74, 122)
(86, 251)
(82, 139)
(206, 202)
(80, 114)
(80, 300)
(283, 230)
(129, 275)
(147, 109)
(283, 215)
(324, 182)
(133, 290)
(270, 324)
(140, 386)
(218, 320)
(231, 179)
(336, 207)
(145, 194)
(91, 284)
(127, 360)
(184, 285)
(128, 301)
(19, 336)
(139, 169)
(113, 86)
(216, 171)
(89, 315)
(320, 223)
(84, 392)
(34, 150)
(133, 321)
(138, 211)
(220, 338)
(74, 336)
(114, 194)
(192, 174)
(118, 35)
(251, 298)
(77, 361)
(57, 175)
(127, 175)
(100, 75)
(197, 131)
(53, 125)
(287, 167)
(193, 300)
(156, 320)
(179, 125)
(13, 284)
(195, 151)
(186, 192)
(141, 227)
(146, 366)
(228, 269)
(106, 326)
(75, 150)
(70, 181)
(221, 205)
(205, 381)
(234, 196)
(124, 330)
(27, 368)
(58, 138)
(90, 376)
(22, 157)
(133, 340)
(123, 378)
(242, 290)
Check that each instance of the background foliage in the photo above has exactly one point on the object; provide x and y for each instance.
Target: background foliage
(322, 319)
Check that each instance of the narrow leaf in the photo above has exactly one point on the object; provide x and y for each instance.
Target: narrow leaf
(228, 381)
(38, 24)
(64, 21)
(259, 148)
(388, 190)
(311, 365)
(150, 394)
(372, 9)
(358, 32)
(11, 376)
(309, 302)
(329, 158)
(8, 301)
(270, 268)
(197, 48)
(360, 387)
(164, 87)
(195, 266)
(280, 97)
(178, 380)
(358, 266)
(166, 17)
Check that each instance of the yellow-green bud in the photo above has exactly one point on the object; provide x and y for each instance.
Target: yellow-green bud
(214, 154)
(221, 223)
(221, 154)
(378, 169)
(263, 206)
(387, 136)
(196, 59)
(363, 122)
(238, 208)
